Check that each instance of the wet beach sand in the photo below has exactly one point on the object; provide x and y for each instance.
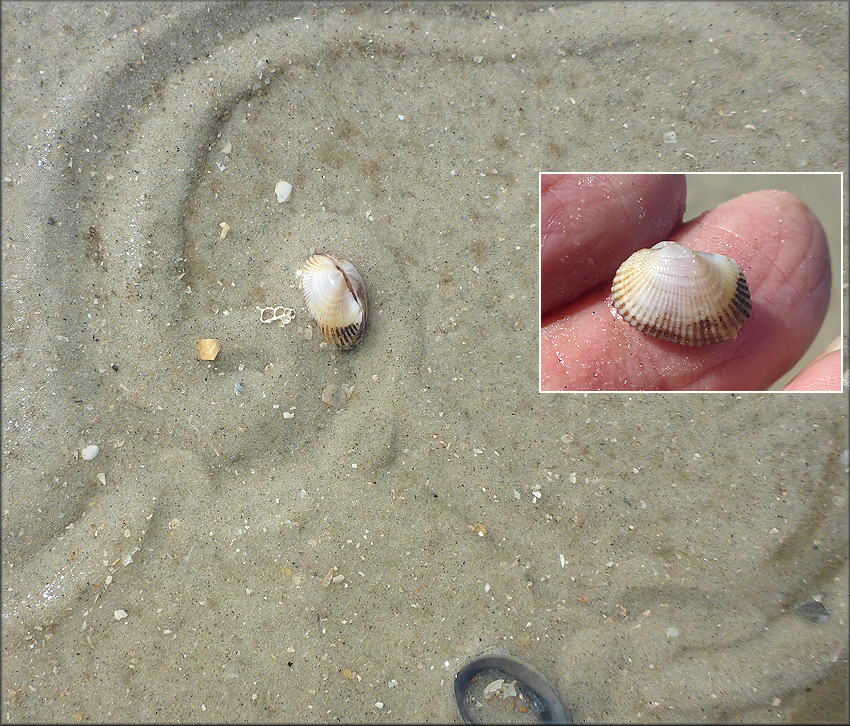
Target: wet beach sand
(239, 550)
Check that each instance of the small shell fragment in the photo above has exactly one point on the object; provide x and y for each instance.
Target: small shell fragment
(493, 687)
(89, 452)
(334, 395)
(677, 294)
(269, 315)
(208, 348)
(336, 298)
(282, 189)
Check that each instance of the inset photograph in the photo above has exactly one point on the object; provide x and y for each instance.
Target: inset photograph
(690, 282)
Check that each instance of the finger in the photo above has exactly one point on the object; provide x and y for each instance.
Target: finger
(782, 249)
(822, 374)
(591, 222)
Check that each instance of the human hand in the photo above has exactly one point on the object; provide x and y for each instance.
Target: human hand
(591, 223)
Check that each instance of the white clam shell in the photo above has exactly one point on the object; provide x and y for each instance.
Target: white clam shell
(676, 294)
(336, 298)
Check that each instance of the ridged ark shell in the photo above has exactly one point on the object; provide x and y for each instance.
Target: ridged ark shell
(677, 294)
(336, 298)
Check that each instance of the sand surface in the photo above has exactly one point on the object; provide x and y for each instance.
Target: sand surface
(646, 552)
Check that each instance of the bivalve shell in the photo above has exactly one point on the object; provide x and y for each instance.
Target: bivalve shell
(489, 685)
(677, 294)
(336, 298)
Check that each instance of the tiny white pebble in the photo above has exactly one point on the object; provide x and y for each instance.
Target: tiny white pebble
(283, 190)
(379, 704)
(672, 632)
(120, 614)
(288, 414)
(90, 452)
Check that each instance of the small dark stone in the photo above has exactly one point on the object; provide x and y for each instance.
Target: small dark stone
(813, 610)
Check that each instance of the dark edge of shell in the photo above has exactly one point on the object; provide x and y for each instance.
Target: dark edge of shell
(553, 710)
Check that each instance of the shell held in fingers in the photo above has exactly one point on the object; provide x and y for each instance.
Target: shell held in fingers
(336, 298)
(677, 294)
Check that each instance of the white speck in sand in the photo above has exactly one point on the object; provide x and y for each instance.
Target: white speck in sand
(120, 614)
(672, 632)
(89, 452)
